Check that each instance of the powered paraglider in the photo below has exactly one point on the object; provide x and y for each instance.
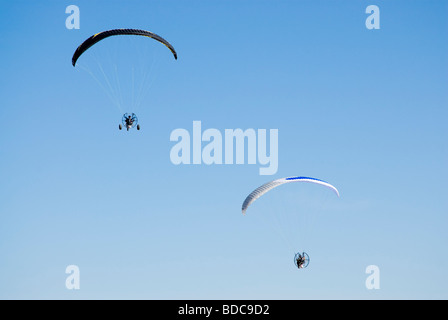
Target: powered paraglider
(121, 67)
(301, 260)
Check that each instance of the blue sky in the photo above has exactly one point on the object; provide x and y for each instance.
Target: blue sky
(362, 109)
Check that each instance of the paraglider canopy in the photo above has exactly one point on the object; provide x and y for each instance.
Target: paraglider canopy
(115, 32)
(273, 184)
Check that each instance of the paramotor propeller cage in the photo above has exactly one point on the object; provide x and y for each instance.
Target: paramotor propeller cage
(134, 120)
(301, 260)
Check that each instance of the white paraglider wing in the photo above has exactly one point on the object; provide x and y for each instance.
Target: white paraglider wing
(257, 193)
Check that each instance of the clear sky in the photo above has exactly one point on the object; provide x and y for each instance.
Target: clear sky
(365, 110)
